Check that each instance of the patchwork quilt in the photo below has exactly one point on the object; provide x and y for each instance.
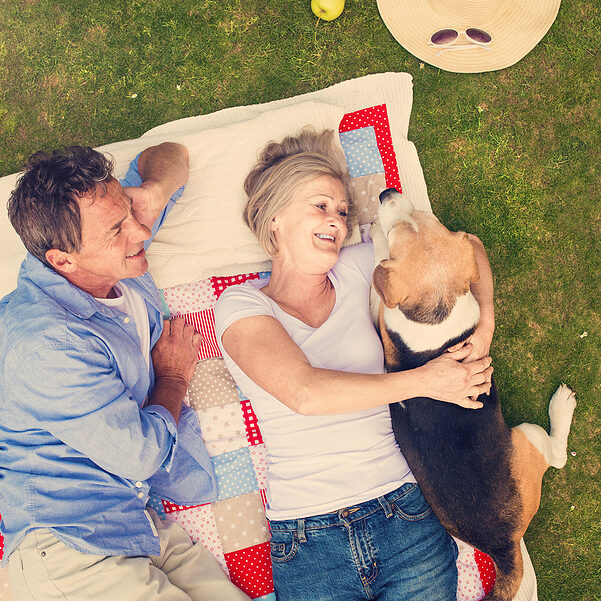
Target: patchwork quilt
(234, 528)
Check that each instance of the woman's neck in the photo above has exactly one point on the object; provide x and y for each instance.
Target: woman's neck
(308, 297)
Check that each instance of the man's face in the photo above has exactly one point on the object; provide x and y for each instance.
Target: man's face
(112, 241)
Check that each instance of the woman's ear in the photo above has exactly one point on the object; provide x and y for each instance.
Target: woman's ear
(273, 226)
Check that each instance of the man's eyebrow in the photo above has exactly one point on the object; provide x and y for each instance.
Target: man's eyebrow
(120, 222)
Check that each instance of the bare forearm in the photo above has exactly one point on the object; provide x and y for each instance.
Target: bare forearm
(328, 392)
(483, 289)
(163, 169)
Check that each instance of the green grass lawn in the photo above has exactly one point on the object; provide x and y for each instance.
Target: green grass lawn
(512, 156)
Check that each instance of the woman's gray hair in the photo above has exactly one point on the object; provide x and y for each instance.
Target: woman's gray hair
(284, 166)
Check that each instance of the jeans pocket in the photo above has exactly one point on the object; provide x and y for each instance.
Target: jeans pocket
(283, 545)
(410, 505)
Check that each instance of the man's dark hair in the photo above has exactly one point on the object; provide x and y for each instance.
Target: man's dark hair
(43, 207)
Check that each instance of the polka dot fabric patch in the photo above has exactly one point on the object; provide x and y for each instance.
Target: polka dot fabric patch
(212, 385)
(241, 522)
(361, 151)
(235, 474)
(250, 570)
(376, 116)
(169, 507)
(157, 505)
(469, 585)
(189, 298)
(199, 523)
(486, 567)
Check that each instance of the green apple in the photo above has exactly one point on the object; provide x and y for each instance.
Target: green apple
(327, 10)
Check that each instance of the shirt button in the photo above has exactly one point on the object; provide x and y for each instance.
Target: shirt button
(138, 484)
(140, 495)
(43, 553)
(126, 320)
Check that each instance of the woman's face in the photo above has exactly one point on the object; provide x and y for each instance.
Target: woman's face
(310, 230)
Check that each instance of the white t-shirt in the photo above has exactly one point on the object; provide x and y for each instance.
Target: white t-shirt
(131, 303)
(319, 464)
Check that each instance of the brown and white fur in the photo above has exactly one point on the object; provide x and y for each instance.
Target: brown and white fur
(481, 478)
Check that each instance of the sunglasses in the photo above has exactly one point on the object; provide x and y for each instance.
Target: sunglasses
(446, 38)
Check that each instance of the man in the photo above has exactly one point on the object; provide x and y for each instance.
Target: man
(91, 391)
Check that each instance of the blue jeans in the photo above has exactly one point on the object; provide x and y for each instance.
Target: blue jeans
(391, 548)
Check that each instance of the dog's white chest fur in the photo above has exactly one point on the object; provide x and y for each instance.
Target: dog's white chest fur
(425, 337)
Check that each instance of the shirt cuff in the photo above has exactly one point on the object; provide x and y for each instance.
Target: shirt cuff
(166, 416)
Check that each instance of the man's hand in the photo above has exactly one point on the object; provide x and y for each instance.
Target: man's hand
(174, 358)
(163, 169)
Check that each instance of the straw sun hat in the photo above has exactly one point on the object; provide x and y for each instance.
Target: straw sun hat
(469, 36)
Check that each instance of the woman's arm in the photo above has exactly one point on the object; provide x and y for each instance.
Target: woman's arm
(264, 351)
(483, 293)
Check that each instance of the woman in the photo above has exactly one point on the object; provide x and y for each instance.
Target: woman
(346, 516)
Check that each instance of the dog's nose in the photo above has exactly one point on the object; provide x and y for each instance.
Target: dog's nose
(386, 194)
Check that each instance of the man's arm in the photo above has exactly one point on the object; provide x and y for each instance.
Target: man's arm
(163, 170)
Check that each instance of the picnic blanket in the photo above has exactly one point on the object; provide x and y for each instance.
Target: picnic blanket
(204, 247)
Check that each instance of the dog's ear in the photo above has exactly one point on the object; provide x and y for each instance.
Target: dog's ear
(387, 284)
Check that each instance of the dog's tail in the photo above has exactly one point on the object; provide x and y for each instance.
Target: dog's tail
(510, 573)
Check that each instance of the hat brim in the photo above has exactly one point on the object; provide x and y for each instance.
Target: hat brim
(516, 27)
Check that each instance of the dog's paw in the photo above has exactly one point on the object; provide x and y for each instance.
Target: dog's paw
(562, 404)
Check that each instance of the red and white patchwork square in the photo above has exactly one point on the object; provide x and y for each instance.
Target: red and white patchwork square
(220, 283)
(258, 455)
(250, 570)
(170, 507)
(253, 434)
(199, 523)
(469, 584)
(204, 322)
(187, 298)
(486, 567)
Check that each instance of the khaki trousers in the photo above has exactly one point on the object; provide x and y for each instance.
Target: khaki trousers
(42, 568)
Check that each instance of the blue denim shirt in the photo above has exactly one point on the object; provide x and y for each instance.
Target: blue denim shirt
(79, 451)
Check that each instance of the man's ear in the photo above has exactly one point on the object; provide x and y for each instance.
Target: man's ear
(61, 261)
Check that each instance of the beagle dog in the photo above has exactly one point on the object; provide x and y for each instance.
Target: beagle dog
(481, 478)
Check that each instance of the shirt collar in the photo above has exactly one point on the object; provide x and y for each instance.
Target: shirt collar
(74, 299)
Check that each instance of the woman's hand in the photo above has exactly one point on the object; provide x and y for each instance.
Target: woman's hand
(448, 379)
(480, 340)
